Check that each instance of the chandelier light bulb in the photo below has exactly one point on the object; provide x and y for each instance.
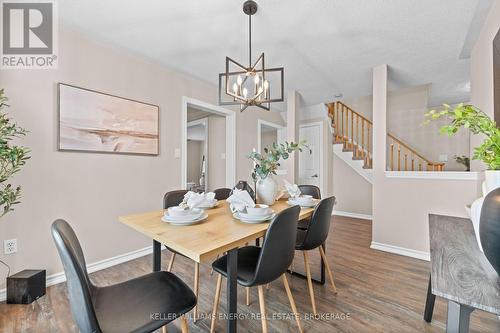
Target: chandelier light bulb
(266, 84)
(245, 92)
(260, 90)
(256, 79)
(239, 80)
(235, 88)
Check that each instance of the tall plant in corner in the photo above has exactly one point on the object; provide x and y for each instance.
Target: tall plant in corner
(12, 158)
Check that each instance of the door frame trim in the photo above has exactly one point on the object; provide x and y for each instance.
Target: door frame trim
(320, 125)
(230, 138)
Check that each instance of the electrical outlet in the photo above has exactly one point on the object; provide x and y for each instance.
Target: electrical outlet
(10, 246)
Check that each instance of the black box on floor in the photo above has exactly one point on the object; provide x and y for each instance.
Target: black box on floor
(26, 286)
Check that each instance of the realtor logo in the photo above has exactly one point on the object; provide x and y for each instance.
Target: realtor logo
(28, 35)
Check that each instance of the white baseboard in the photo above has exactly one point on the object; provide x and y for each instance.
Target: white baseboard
(93, 267)
(353, 215)
(401, 251)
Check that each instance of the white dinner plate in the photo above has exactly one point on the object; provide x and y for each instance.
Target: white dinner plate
(294, 203)
(203, 217)
(257, 220)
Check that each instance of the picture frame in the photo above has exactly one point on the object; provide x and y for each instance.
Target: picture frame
(98, 122)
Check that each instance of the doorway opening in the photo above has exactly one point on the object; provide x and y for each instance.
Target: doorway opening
(311, 159)
(208, 146)
(267, 134)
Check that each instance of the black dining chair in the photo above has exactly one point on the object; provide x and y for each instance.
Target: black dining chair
(313, 191)
(258, 266)
(313, 238)
(222, 193)
(139, 305)
(174, 198)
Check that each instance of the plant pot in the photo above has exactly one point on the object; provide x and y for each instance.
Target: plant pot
(489, 228)
(267, 189)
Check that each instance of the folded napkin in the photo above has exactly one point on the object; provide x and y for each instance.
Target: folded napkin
(292, 189)
(240, 200)
(194, 200)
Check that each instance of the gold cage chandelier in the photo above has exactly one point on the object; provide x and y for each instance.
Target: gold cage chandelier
(247, 86)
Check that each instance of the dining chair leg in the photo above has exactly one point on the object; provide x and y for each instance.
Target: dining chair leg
(309, 282)
(292, 302)
(267, 286)
(164, 329)
(171, 262)
(184, 325)
(196, 288)
(262, 309)
(212, 269)
(330, 275)
(248, 295)
(216, 303)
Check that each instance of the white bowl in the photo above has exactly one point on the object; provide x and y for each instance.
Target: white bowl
(177, 211)
(258, 210)
(304, 199)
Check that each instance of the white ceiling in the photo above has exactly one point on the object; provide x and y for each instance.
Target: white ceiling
(326, 46)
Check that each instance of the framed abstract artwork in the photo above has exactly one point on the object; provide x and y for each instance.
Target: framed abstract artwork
(91, 121)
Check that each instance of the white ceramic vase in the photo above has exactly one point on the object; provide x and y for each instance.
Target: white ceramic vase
(267, 189)
(491, 182)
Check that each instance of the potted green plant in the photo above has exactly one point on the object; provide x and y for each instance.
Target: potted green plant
(12, 158)
(266, 164)
(478, 122)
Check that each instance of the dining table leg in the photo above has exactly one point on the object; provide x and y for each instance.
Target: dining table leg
(156, 256)
(232, 311)
(429, 302)
(458, 318)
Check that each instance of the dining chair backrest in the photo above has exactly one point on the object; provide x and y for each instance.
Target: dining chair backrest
(173, 198)
(310, 190)
(244, 186)
(319, 227)
(222, 193)
(278, 248)
(80, 287)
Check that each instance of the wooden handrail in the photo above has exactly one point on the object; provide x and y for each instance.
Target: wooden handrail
(348, 136)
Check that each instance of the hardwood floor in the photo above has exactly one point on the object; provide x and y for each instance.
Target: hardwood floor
(377, 292)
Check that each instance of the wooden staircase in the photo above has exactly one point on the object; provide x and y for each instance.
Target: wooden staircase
(354, 132)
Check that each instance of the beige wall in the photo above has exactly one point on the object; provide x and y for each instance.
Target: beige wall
(268, 138)
(401, 206)
(92, 190)
(353, 192)
(482, 90)
(216, 148)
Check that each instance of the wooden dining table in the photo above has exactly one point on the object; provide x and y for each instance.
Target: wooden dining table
(202, 242)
